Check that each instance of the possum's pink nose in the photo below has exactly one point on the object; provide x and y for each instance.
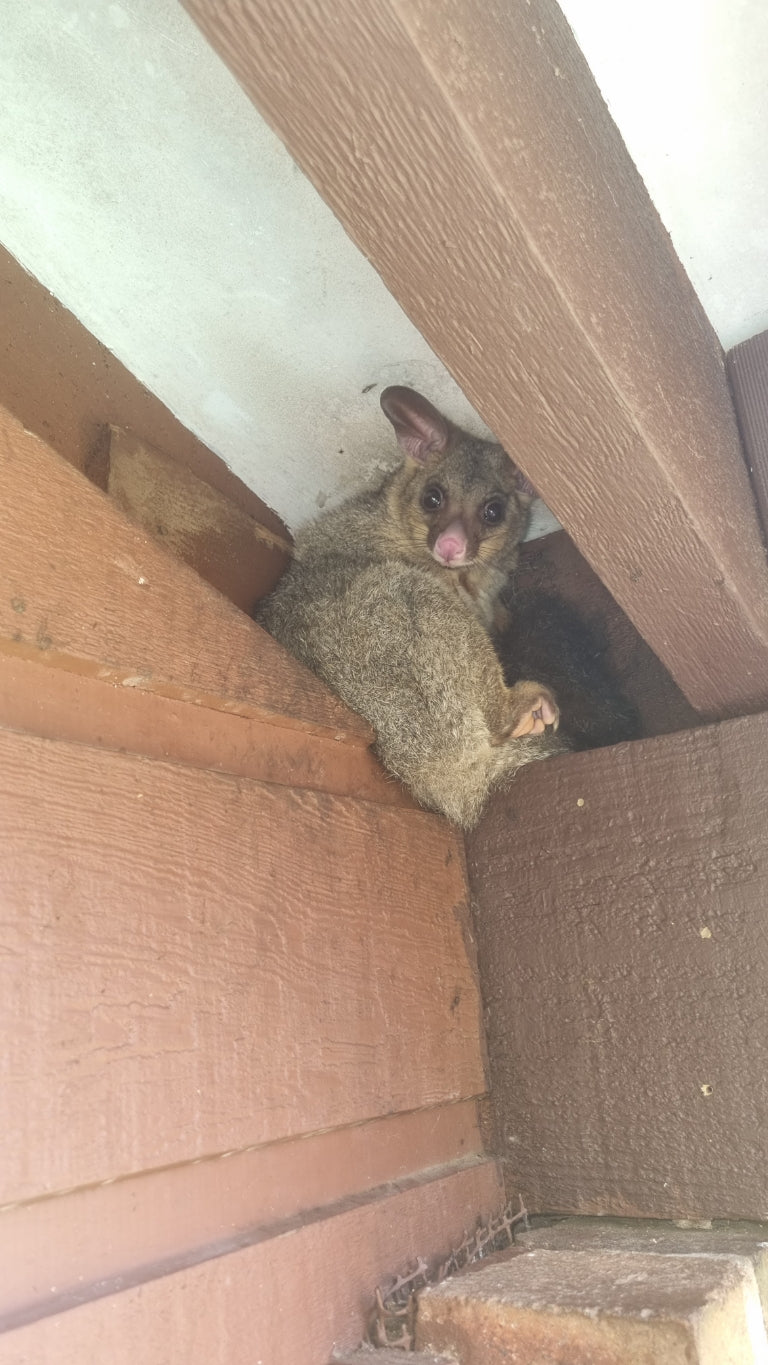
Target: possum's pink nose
(451, 545)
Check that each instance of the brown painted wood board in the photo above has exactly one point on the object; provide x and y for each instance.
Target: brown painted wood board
(195, 963)
(747, 366)
(469, 154)
(190, 517)
(56, 704)
(620, 910)
(90, 592)
(288, 1301)
(62, 1251)
(66, 387)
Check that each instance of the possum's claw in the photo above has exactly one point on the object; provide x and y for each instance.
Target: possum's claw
(533, 709)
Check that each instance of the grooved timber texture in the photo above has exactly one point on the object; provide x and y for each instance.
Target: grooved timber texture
(87, 591)
(163, 1219)
(468, 153)
(620, 909)
(241, 1045)
(748, 374)
(58, 704)
(288, 1301)
(210, 963)
(227, 546)
(66, 387)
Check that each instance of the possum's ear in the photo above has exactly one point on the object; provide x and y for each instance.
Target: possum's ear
(420, 429)
(523, 487)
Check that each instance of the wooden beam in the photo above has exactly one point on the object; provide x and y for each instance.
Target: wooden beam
(292, 1300)
(239, 1005)
(467, 151)
(88, 593)
(55, 1255)
(747, 367)
(623, 967)
(55, 703)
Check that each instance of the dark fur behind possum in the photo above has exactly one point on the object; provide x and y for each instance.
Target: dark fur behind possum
(546, 639)
(391, 598)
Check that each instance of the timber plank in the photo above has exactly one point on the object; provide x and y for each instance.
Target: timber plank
(163, 1220)
(469, 154)
(57, 704)
(288, 1301)
(747, 366)
(623, 946)
(194, 963)
(552, 564)
(86, 591)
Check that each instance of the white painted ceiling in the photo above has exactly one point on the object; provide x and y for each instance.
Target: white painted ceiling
(687, 84)
(141, 187)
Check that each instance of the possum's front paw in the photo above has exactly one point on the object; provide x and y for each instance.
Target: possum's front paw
(532, 710)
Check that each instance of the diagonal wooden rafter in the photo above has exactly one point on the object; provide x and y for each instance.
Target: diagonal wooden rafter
(467, 151)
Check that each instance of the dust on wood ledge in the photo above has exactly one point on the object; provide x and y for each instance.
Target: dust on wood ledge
(546, 283)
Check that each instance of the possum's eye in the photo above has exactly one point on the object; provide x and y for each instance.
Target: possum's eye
(432, 498)
(494, 511)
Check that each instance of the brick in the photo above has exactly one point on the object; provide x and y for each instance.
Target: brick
(597, 1308)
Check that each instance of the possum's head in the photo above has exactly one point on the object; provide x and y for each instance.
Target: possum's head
(455, 498)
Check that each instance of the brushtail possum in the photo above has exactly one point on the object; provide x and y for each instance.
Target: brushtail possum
(391, 599)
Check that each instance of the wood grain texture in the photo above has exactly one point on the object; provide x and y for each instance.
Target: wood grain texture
(86, 591)
(747, 366)
(194, 963)
(56, 1255)
(229, 548)
(57, 704)
(289, 1301)
(624, 949)
(470, 156)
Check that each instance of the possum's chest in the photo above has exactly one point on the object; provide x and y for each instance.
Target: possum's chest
(477, 592)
